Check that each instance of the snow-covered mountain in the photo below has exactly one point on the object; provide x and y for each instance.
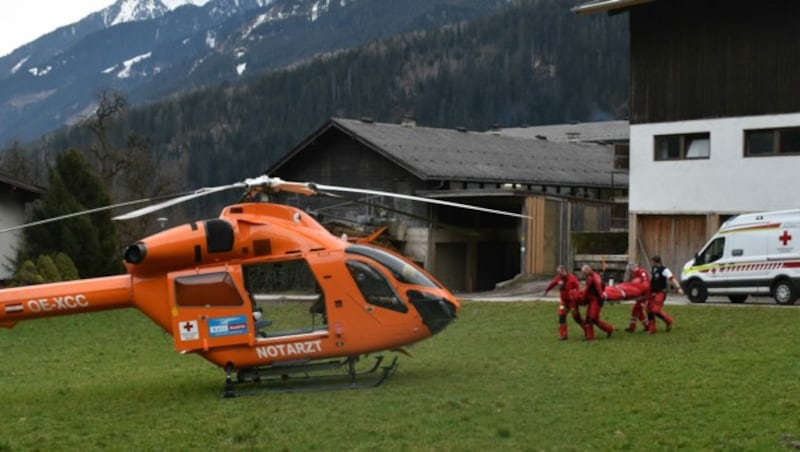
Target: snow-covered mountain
(131, 11)
(153, 48)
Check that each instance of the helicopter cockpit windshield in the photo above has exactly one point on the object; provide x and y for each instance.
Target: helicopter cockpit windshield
(401, 270)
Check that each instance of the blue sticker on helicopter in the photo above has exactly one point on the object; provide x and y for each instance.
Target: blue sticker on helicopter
(227, 326)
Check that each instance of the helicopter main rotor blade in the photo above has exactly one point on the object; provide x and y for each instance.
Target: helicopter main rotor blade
(261, 183)
(163, 205)
(420, 199)
(77, 214)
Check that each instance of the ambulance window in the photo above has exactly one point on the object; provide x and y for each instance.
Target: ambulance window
(713, 252)
(212, 289)
(374, 287)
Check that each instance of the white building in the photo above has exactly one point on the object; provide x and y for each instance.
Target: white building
(714, 116)
(13, 197)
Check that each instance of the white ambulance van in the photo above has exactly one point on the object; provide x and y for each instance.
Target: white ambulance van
(751, 254)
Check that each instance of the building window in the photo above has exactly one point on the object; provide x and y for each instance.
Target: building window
(622, 153)
(682, 146)
(772, 141)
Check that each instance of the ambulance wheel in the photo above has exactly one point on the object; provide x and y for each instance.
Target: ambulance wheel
(696, 291)
(784, 292)
(737, 298)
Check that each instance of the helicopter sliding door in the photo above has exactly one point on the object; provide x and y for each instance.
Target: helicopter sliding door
(209, 310)
(287, 296)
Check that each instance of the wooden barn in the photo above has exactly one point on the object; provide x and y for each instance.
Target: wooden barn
(563, 186)
(714, 116)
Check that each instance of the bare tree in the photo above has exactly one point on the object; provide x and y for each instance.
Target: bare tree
(109, 159)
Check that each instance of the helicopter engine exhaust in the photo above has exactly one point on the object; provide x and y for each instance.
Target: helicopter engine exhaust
(135, 253)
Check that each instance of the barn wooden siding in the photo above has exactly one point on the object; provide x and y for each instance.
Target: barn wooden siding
(676, 238)
(547, 235)
(693, 59)
(337, 159)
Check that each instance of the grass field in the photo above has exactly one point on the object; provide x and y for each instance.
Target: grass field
(725, 378)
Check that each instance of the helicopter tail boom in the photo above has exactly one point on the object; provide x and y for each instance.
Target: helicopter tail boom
(63, 298)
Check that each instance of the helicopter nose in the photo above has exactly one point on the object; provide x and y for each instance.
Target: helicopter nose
(437, 312)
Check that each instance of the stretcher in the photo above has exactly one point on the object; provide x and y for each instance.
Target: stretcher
(631, 290)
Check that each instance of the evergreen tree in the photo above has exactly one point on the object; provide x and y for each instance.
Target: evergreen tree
(27, 275)
(17, 162)
(66, 268)
(89, 240)
(47, 269)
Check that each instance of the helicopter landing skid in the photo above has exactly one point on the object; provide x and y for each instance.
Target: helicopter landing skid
(308, 376)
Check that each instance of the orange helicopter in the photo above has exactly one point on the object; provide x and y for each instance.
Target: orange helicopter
(264, 291)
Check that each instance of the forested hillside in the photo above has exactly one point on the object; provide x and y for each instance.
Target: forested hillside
(534, 63)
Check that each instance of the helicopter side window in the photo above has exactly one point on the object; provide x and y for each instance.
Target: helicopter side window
(403, 271)
(374, 287)
(287, 297)
(212, 289)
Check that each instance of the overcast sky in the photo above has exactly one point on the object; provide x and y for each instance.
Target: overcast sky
(26, 20)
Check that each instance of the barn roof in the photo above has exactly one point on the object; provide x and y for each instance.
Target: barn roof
(449, 154)
(602, 132)
(28, 192)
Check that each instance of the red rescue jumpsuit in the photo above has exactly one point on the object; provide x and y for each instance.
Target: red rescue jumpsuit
(661, 277)
(593, 295)
(568, 290)
(640, 277)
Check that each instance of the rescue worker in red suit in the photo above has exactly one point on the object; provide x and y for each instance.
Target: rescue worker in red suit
(660, 280)
(640, 277)
(593, 296)
(569, 291)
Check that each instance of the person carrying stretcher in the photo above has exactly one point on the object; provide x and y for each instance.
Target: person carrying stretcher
(569, 292)
(636, 287)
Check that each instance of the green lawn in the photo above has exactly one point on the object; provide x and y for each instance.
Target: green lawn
(725, 378)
